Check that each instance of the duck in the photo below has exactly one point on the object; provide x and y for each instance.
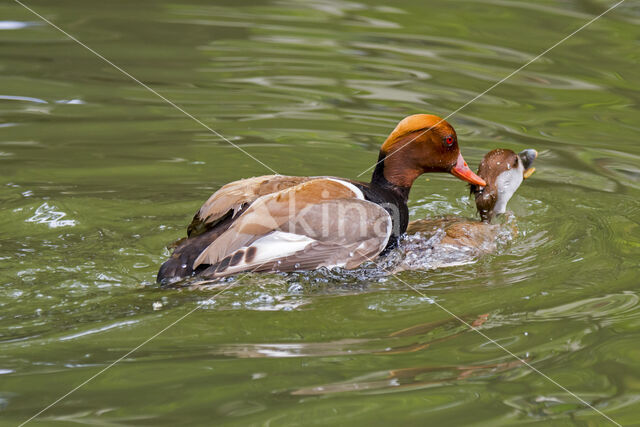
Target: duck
(503, 171)
(279, 223)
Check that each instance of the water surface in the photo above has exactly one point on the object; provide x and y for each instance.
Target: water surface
(97, 175)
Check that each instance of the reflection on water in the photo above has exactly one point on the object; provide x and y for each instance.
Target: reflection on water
(97, 175)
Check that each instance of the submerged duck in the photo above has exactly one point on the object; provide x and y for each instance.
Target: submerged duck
(288, 223)
(504, 171)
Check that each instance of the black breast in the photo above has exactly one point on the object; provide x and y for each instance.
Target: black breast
(394, 201)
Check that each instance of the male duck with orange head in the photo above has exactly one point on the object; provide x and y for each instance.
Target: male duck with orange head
(289, 223)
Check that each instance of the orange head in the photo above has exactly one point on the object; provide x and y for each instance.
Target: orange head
(423, 143)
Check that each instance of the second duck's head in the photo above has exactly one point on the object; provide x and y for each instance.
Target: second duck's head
(503, 170)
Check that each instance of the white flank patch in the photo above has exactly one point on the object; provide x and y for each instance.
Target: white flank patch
(276, 245)
(356, 191)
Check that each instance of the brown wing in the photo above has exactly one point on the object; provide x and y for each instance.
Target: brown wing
(473, 235)
(270, 212)
(429, 226)
(458, 231)
(237, 195)
(319, 222)
(335, 233)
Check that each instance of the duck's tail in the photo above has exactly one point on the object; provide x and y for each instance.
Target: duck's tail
(180, 265)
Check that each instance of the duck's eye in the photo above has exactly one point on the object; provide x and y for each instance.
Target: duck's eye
(449, 141)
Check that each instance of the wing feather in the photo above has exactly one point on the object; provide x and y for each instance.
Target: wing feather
(272, 212)
(336, 232)
(235, 196)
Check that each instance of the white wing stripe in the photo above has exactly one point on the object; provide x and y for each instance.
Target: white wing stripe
(273, 246)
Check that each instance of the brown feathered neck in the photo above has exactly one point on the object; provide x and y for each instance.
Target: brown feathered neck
(378, 180)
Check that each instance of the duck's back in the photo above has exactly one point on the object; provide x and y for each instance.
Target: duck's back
(275, 223)
(235, 196)
(458, 232)
(216, 215)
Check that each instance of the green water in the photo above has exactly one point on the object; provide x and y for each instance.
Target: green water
(92, 190)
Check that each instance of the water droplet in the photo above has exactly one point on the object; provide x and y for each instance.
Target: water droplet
(295, 288)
